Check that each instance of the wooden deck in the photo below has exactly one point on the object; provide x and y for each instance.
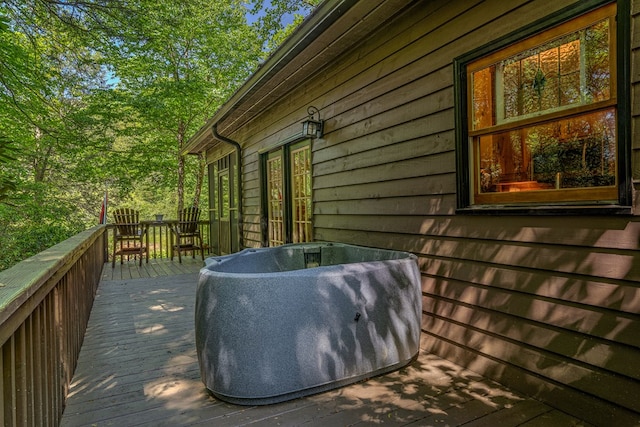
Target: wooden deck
(138, 366)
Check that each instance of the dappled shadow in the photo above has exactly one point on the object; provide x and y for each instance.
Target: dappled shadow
(547, 304)
(264, 338)
(138, 355)
(428, 391)
(138, 366)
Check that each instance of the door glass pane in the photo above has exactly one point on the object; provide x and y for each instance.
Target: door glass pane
(301, 194)
(274, 200)
(225, 198)
(224, 190)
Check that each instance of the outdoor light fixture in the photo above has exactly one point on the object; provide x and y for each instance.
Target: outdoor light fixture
(311, 127)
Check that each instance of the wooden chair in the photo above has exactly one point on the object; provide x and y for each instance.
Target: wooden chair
(128, 236)
(186, 233)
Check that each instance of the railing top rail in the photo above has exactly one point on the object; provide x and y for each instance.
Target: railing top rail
(25, 279)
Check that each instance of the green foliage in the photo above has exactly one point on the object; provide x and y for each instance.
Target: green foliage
(271, 25)
(99, 95)
(40, 218)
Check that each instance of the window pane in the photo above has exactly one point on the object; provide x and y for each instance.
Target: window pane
(566, 72)
(577, 152)
(483, 98)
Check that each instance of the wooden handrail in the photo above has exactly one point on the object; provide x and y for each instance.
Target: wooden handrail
(45, 303)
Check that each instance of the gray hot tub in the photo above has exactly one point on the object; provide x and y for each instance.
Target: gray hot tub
(277, 323)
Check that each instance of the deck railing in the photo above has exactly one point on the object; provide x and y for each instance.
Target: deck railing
(45, 303)
(160, 239)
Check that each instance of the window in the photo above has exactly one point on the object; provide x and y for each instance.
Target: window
(287, 195)
(540, 117)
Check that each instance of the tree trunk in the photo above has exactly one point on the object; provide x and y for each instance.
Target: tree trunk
(180, 136)
(40, 161)
(202, 165)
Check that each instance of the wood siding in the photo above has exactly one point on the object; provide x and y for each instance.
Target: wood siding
(547, 305)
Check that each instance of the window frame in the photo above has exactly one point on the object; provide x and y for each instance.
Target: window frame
(464, 156)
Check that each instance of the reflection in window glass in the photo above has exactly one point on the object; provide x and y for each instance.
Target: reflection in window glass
(570, 71)
(578, 152)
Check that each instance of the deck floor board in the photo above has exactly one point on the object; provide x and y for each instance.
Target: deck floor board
(138, 367)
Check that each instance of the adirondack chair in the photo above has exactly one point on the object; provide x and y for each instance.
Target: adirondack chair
(186, 234)
(128, 236)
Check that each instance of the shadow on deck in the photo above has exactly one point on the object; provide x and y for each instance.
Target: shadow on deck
(138, 366)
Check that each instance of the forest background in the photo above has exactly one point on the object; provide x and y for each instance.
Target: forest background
(100, 95)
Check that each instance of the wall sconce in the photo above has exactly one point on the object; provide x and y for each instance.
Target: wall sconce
(311, 127)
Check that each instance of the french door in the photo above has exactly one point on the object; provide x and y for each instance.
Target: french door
(224, 201)
(287, 194)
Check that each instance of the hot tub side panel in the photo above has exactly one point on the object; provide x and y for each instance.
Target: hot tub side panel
(269, 338)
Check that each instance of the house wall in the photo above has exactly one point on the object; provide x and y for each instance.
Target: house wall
(545, 304)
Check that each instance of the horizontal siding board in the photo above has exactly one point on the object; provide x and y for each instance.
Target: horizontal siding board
(541, 259)
(412, 101)
(601, 323)
(371, 133)
(406, 187)
(376, 239)
(418, 22)
(635, 36)
(398, 224)
(427, 205)
(579, 260)
(601, 232)
(436, 164)
(603, 354)
(382, 113)
(354, 155)
(374, 49)
(617, 389)
(611, 295)
(566, 398)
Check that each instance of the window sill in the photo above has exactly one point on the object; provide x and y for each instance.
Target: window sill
(546, 210)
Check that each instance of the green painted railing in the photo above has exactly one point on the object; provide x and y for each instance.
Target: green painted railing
(45, 303)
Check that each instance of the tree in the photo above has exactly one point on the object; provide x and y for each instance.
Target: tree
(276, 19)
(45, 121)
(175, 64)
(95, 92)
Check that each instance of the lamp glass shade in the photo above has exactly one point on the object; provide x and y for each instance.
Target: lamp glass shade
(310, 128)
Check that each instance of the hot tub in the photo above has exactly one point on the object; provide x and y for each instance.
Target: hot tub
(278, 323)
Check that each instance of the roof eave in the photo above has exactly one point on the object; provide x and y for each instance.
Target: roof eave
(322, 17)
(334, 27)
